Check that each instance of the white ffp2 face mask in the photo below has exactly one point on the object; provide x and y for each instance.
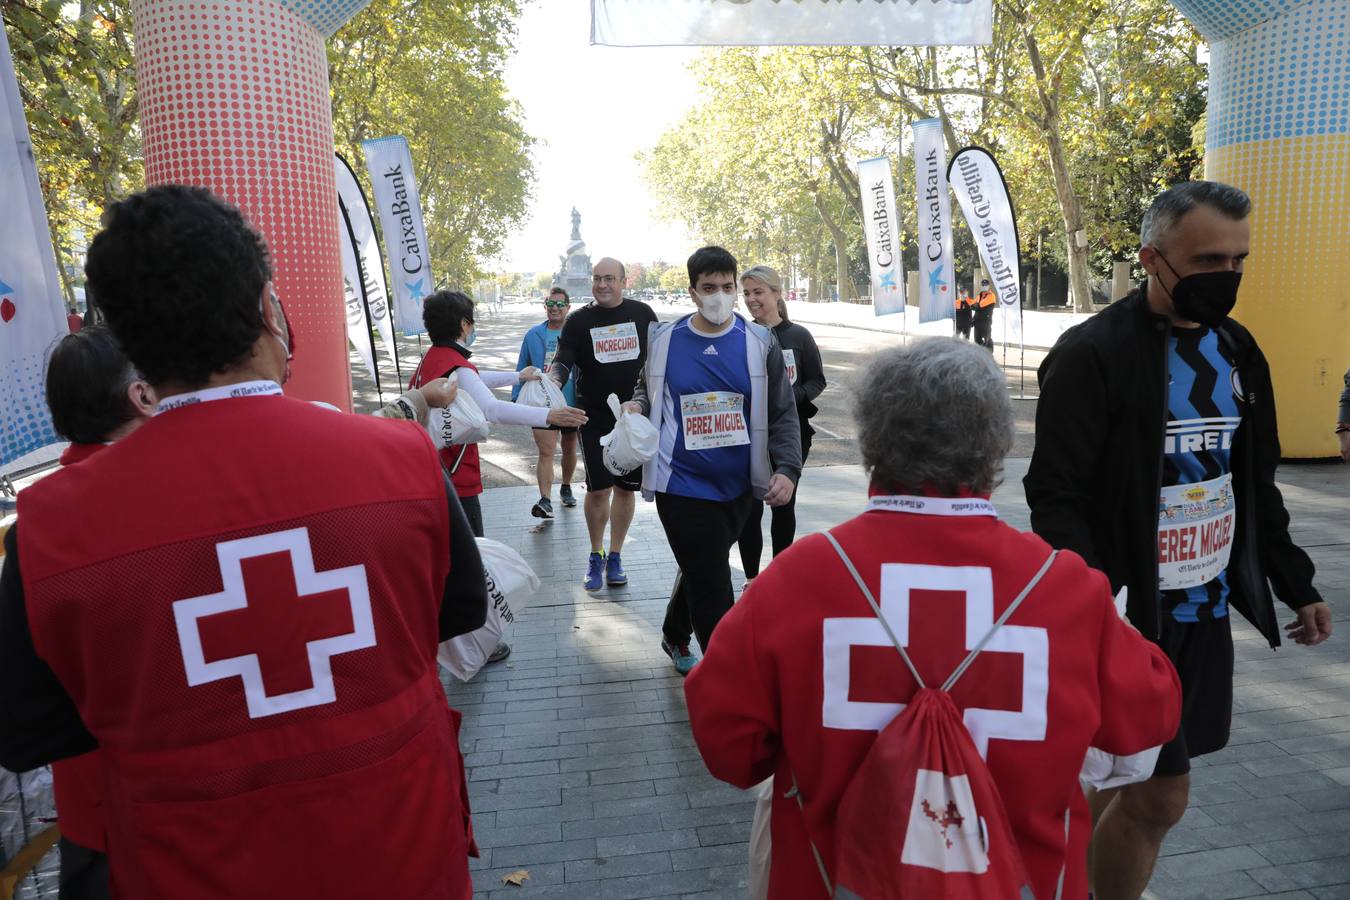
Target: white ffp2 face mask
(717, 307)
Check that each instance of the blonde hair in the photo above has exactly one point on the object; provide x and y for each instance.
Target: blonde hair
(768, 276)
(765, 274)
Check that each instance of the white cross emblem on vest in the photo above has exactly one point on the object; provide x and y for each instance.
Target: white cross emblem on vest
(841, 635)
(281, 620)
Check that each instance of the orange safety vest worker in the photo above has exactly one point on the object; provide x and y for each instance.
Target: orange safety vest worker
(987, 298)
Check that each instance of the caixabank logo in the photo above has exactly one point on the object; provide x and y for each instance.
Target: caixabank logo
(8, 308)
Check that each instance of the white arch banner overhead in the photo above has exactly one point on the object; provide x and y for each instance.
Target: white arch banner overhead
(650, 23)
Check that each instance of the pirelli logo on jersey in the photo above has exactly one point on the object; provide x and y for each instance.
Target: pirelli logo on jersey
(1198, 435)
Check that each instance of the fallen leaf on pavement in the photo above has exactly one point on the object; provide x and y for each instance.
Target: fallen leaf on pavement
(517, 878)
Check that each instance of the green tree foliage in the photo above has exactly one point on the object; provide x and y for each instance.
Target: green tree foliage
(431, 70)
(1090, 107)
(76, 76)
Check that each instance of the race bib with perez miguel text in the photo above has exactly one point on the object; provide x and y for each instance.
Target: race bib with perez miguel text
(615, 343)
(714, 420)
(1195, 532)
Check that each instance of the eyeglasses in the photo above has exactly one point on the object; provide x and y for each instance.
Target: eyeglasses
(604, 279)
(555, 304)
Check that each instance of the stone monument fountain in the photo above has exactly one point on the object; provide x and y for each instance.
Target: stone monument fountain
(574, 273)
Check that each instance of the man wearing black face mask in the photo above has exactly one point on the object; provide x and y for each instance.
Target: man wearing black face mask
(1156, 448)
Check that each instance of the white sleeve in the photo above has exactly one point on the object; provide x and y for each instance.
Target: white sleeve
(499, 379)
(500, 412)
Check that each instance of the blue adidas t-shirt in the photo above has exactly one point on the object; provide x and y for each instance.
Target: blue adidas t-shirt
(705, 419)
(1196, 510)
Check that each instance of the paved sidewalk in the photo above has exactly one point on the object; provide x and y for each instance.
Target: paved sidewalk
(583, 772)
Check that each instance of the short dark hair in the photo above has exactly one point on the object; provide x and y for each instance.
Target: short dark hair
(179, 276)
(444, 313)
(557, 290)
(710, 259)
(87, 380)
(1169, 206)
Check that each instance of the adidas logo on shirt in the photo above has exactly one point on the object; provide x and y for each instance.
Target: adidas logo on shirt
(711, 351)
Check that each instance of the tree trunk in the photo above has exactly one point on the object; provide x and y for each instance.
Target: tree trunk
(1072, 210)
(1069, 206)
(848, 292)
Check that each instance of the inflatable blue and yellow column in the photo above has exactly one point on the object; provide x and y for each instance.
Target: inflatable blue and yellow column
(1279, 128)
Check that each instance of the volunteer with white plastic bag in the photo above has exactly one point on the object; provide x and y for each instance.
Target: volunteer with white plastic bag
(449, 320)
(716, 391)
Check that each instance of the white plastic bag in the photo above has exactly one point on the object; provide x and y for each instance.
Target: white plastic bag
(1102, 770)
(761, 844)
(510, 582)
(541, 392)
(631, 444)
(462, 422)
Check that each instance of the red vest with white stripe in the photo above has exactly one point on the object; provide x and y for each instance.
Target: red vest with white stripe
(461, 460)
(242, 599)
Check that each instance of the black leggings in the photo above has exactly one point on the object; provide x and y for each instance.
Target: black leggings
(700, 533)
(473, 511)
(782, 527)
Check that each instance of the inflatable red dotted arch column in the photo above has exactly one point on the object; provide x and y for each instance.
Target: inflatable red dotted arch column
(234, 97)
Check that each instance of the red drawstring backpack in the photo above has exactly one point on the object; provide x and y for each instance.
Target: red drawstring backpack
(922, 818)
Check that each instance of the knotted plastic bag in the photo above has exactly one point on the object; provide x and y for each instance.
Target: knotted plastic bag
(510, 582)
(631, 444)
(462, 422)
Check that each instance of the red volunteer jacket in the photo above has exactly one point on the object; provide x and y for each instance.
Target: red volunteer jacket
(245, 611)
(801, 675)
(78, 782)
(461, 460)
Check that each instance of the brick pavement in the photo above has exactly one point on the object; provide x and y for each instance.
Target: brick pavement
(583, 772)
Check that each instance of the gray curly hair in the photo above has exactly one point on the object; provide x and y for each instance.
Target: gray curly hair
(934, 414)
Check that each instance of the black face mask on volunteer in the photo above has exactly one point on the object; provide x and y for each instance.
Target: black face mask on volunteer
(1205, 297)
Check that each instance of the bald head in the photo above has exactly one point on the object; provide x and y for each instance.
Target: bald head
(608, 279)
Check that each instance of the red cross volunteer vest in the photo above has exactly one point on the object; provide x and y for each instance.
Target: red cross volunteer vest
(77, 782)
(461, 460)
(242, 599)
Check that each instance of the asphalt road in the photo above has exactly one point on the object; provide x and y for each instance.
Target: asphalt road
(509, 455)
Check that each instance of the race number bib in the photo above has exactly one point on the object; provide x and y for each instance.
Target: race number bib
(1195, 532)
(615, 343)
(714, 420)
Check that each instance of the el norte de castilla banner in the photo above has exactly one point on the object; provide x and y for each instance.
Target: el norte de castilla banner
(362, 271)
(933, 206)
(881, 225)
(982, 192)
(32, 315)
(399, 207)
(650, 23)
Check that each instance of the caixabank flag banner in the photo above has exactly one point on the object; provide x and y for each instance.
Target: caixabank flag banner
(389, 162)
(650, 23)
(978, 184)
(882, 227)
(358, 227)
(32, 316)
(937, 284)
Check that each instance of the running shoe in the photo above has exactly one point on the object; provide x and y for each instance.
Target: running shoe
(595, 572)
(499, 652)
(614, 573)
(680, 655)
(543, 509)
(565, 494)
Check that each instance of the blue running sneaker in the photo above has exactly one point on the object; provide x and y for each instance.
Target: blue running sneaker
(614, 573)
(595, 572)
(680, 655)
